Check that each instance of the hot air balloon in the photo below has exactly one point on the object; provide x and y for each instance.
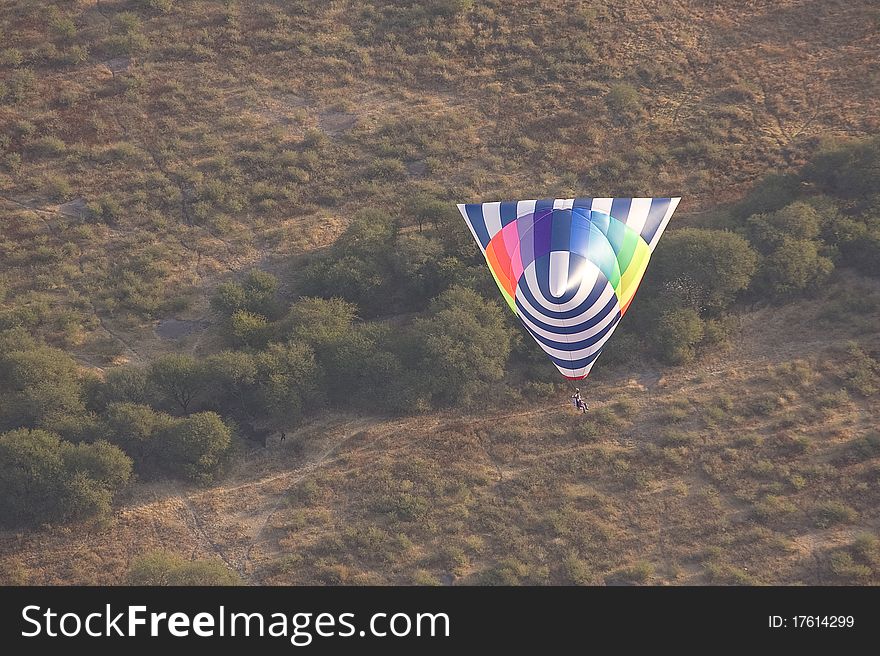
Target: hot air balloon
(569, 268)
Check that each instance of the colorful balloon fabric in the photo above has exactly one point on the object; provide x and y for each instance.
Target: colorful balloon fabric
(569, 268)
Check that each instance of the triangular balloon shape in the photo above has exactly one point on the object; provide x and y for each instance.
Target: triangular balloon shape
(569, 268)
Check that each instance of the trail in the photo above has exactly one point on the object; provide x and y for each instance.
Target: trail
(206, 526)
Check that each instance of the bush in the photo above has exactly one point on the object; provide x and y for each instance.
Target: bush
(133, 428)
(830, 513)
(634, 574)
(861, 371)
(846, 170)
(127, 384)
(11, 57)
(859, 243)
(774, 509)
(677, 332)
(794, 266)
(161, 6)
(177, 380)
(63, 26)
(773, 192)
(288, 383)
(387, 169)
(448, 8)
(464, 342)
(194, 447)
(623, 99)
(318, 321)
(576, 570)
(40, 387)
(44, 478)
(798, 220)
(164, 568)
(372, 375)
(248, 329)
(105, 209)
(254, 294)
(844, 567)
(701, 269)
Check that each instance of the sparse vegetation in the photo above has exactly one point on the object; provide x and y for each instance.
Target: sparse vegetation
(223, 222)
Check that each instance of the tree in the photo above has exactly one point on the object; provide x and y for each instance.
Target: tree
(164, 568)
(846, 170)
(233, 377)
(416, 271)
(248, 329)
(320, 321)
(796, 265)
(133, 428)
(40, 387)
(697, 268)
(287, 382)
(357, 280)
(368, 236)
(44, 478)
(372, 376)
(254, 294)
(31, 477)
(195, 446)
(772, 193)
(799, 220)
(461, 345)
(678, 330)
(178, 380)
(128, 384)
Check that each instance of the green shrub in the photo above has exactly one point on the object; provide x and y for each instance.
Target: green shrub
(576, 570)
(799, 220)
(194, 447)
(105, 209)
(177, 381)
(58, 188)
(842, 565)
(40, 387)
(773, 192)
(11, 57)
(254, 294)
(830, 513)
(463, 341)
(160, 6)
(796, 265)
(623, 99)
(62, 26)
(44, 478)
(248, 329)
(637, 573)
(678, 332)
(700, 269)
(774, 509)
(163, 568)
(861, 371)
(846, 169)
(134, 429)
(319, 321)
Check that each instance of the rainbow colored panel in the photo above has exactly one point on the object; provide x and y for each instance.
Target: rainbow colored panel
(569, 268)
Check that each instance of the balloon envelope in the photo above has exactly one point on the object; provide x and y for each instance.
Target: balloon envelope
(569, 268)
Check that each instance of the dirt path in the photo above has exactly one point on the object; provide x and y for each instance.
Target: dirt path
(234, 520)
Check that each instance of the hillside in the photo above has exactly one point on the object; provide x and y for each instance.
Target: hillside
(151, 148)
(672, 479)
(225, 222)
